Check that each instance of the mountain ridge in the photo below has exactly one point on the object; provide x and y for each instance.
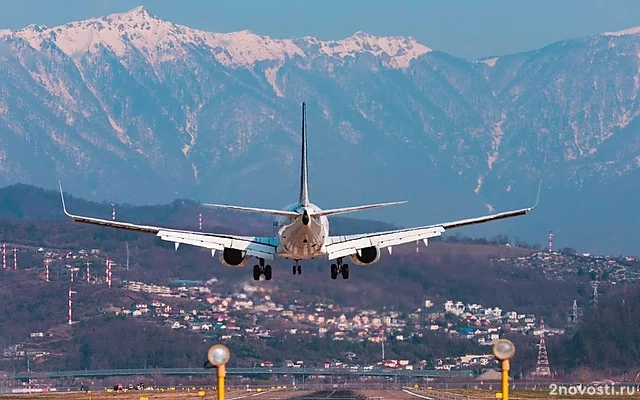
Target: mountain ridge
(241, 48)
(455, 138)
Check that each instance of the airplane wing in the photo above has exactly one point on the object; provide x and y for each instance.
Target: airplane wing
(341, 246)
(262, 247)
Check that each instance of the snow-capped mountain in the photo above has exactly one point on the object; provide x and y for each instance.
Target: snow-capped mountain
(133, 108)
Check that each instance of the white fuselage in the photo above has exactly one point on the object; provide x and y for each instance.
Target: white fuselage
(300, 241)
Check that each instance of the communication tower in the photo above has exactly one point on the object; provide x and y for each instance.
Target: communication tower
(200, 221)
(106, 270)
(550, 241)
(15, 258)
(595, 284)
(542, 366)
(70, 305)
(46, 269)
(575, 314)
(113, 211)
(72, 273)
(109, 269)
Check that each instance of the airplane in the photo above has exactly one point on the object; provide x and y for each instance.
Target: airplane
(302, 232)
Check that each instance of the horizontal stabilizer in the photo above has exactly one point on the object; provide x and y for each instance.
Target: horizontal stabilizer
(291, 214)
(335, 211)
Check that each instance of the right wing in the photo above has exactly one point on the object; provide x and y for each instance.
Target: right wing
(281, 213)
(341, 246)
(336, 211)
(261, 247)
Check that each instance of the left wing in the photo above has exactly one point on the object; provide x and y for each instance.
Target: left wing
(262, 247)
(341, 246)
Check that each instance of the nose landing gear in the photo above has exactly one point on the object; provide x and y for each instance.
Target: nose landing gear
(297, 269)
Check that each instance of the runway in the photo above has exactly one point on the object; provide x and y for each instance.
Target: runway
(328, 394)
(345, 394)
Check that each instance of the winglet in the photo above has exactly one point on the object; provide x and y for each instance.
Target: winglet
(538, 197)
(64, 207)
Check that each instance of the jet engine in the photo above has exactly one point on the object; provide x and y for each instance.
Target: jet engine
(233, 258)
(368, 255)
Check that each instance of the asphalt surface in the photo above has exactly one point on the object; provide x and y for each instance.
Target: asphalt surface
(341, 394)
(328, 394)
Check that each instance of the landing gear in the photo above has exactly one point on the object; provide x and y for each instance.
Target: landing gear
(340, 268)
(297, 269)
(261, 270)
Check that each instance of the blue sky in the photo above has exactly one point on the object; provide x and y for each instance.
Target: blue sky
(469, 29)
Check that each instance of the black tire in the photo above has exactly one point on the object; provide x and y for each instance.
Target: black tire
(267, 272)
(256, 273)
(299, 269)
(334, 271)
(295, 269)
(345, 271)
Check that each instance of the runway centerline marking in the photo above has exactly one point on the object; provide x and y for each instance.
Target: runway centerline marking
(417, 395)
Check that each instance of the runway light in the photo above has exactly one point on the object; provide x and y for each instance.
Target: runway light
(218, 355)
(504, 349)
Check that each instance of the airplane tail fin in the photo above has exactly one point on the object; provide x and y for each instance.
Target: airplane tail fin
(304, 188)
(335, 211)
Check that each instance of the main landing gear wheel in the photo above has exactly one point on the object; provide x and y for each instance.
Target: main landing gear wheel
(297, 269)
(261, 270)
(267, 272)
(342, 269)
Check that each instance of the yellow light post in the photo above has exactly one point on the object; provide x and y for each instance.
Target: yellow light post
(504, 350)
(218, 355)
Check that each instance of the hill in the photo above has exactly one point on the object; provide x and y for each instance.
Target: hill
(607, 338)
(448, 269)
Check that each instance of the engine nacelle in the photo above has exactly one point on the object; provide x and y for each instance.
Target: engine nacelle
(368, 255)
(233, 258)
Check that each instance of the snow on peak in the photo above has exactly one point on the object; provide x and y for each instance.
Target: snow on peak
(397, 50)
(490, 61)
(160, 40)
(630, 31)
(140, 11)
